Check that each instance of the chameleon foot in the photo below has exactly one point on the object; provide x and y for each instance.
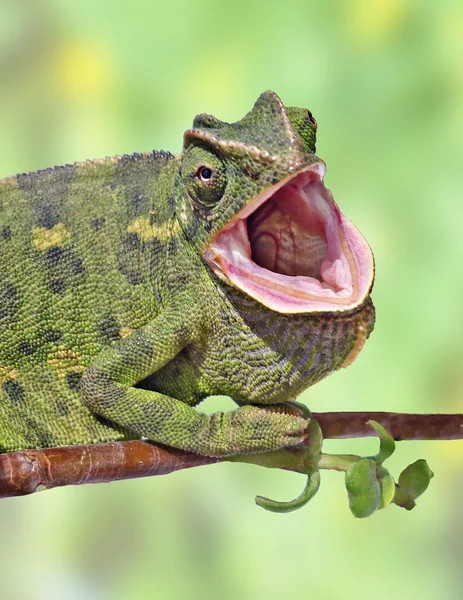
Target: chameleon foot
(314, 442)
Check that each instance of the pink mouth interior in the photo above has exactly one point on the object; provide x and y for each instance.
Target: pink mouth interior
(293, 251)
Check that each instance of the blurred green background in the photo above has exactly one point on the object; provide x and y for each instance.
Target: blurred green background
(384, 79)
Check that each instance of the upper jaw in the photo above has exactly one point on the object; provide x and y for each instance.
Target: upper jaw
(291, 249)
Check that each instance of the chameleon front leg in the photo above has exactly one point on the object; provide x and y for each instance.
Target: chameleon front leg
(107, 389)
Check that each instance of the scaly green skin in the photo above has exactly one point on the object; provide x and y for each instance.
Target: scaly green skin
(113, 327)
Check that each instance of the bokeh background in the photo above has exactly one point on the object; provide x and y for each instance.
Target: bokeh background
(384, 78)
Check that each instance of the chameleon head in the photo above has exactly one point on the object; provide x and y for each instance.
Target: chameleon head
(267, 225)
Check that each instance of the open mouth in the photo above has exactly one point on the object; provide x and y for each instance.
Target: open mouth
(292, 250)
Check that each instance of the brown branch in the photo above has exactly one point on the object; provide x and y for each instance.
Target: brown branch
(28, 471)
(401, 426)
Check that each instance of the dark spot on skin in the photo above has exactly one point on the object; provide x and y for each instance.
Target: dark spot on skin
(138, 201)
(5, 232)
(62, 408)
(46, 213)
(78, 266)
(45, 190)
(135, 174)
(155, 247)
(172, 246)
(57, 286)
(73, 380)
(9, 299)
(98, 223)
(171, 204)
(14, 392)
(192, 227)
(31, 428)
(52, 336)
(26, 348)
(129, 255)
(62, 265)
(132, 241)
(54, 255)
(182, 279)
(109, 328)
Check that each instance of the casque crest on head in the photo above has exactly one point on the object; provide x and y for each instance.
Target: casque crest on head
(285, 135)
(273, 230)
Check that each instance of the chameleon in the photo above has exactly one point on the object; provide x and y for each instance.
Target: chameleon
(135, 286)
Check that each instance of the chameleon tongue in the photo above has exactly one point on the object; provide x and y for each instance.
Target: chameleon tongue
(251, 253)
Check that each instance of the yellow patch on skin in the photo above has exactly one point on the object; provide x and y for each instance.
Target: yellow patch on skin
(11, 182)
(43, 238)
(146, 231)
(126, 331)
(65, 360)
(7, 373)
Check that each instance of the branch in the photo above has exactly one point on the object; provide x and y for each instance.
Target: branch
(29, 471)
(401, 426)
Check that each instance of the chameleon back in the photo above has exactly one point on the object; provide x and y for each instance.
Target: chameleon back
(80, 248)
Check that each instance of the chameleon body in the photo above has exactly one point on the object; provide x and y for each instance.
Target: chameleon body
(133, 287)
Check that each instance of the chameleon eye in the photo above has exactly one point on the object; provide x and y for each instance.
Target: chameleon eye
(204, 174)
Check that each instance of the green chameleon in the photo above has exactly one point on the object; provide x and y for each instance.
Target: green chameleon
(133, 287)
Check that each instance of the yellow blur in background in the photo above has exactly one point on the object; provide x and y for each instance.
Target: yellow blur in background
(384, 79)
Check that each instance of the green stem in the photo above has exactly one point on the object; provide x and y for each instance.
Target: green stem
(337, 462)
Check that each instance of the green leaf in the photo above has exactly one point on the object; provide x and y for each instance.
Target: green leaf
(363, 488)
(413, 481)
